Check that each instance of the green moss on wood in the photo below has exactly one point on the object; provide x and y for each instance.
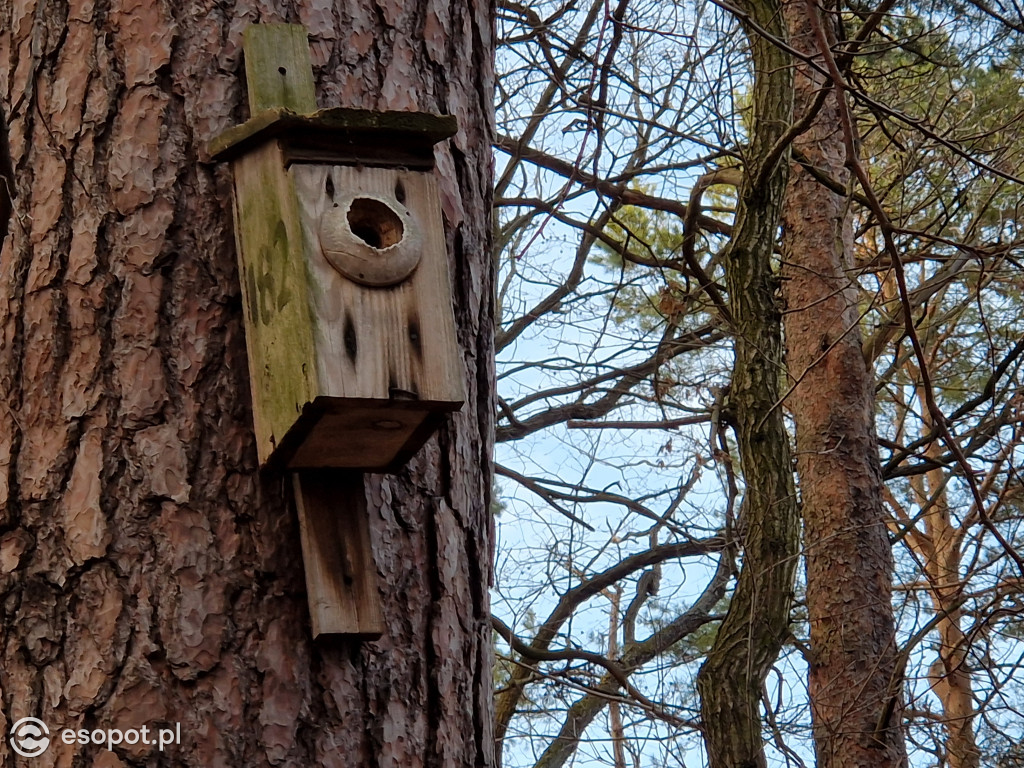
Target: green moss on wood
(279, 320)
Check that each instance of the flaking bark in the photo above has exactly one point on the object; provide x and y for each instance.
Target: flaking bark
(854, 682)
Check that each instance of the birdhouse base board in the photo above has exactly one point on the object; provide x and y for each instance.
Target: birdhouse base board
(368, 435)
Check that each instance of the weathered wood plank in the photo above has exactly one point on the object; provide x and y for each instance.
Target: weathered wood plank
(279, 322)
(391, 343)
(370, 435)
(341, 578)
(354, 132)
(278, 69)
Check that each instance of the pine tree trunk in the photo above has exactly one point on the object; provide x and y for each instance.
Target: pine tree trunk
(148, 574)
(854, 682)
(951, 676)
(751, 635)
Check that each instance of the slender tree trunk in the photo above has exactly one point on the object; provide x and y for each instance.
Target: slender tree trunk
(148, 574)
(854, 682)
(951, 679)
(615, 730)
(752, 633)
(636, 654)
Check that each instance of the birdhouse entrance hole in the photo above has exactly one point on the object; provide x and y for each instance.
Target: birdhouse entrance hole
(371, 239)
(374, 223)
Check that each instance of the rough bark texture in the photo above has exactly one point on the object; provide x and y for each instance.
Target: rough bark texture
(147, 573)
(751, 635)
(854, 686)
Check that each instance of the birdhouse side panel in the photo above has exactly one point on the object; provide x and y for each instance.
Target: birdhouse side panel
(381, 293)
(275, 290)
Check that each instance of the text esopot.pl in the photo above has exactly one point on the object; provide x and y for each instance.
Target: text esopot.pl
(30, 736)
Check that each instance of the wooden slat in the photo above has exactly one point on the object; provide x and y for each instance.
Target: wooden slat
(278, 69)
(339, 133)
(279, 323)
(341, 578)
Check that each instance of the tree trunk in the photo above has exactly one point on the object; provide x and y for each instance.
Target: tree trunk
(752, 633)
(854, 681)
(148, 574)
(951, 678)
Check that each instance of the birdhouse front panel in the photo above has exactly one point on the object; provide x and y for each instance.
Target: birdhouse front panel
(386, 353)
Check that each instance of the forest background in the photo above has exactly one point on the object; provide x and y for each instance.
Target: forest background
(629, 135)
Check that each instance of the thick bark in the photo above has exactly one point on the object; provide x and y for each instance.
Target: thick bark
(752, 633)
(147, 572)
(854, 681)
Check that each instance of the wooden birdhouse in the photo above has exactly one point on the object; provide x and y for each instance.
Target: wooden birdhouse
(348, 308)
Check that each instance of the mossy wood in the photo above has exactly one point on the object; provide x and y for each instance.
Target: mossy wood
(278, 71)
(349, 321)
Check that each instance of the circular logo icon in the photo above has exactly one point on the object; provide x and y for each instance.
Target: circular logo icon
(30, 737)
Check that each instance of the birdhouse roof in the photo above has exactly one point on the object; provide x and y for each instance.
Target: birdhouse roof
(341, 135)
